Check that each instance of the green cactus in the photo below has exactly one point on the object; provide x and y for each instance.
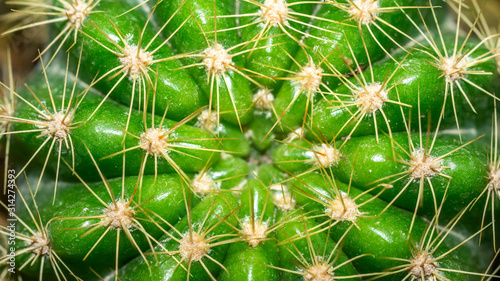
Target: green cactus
(252, 140)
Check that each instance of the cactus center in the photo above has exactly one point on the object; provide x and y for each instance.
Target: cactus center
(203, 183)
(77, 12)
(40, 244)
(263, 99)
(453, 67)
(422, 267)
(193, 247)
(310, 77)
(135, 61)
(254, 233)
(422, 165)
(494, 179)
(327, 156)
(364, 11)
(154, 141)
(319, 272)
(274, 12)
(348, 211)
(217, 59)
(119, 215)
(58, 126)
(371, 98)
(282, 198)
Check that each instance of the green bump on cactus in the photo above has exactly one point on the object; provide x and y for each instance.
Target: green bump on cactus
(253, 140)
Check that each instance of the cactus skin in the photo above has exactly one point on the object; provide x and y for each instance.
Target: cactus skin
(269, 140)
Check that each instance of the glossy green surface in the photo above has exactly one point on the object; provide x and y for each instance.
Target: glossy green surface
(297, 155)
(228, 173)
(104, 47)
(376, 162)
(272, 53)
(416, 86)
(231, 139)
(110, 122)
(232, 87)
(385, 236)
(303, 251)
(334, 39)
(162, 197)
(259, 127)
(244, 262)
(167, 267)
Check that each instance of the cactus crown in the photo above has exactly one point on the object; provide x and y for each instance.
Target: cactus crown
(252, 139)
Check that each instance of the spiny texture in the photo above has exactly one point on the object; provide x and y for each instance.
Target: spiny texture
(252, 140)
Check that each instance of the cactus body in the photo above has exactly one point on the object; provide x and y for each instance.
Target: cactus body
(254, 140)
